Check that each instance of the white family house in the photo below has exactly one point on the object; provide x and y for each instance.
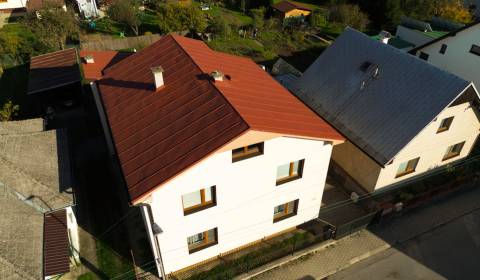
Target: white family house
(457, 52)
(402, 117)
(217, 153)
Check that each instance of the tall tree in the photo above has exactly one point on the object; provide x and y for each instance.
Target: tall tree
(52, 27)
(351, 15)
(127, 13)
(174, 17)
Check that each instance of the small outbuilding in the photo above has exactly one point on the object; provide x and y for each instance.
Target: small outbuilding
(55, 80)
(287, 9)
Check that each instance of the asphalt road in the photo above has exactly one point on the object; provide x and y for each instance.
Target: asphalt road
(451, 251)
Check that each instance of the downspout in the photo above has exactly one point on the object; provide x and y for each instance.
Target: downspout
(153, 230)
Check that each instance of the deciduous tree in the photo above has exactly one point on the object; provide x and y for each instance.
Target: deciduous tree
(8, 111)
(350, 15)
(127, 13)
(52, 27)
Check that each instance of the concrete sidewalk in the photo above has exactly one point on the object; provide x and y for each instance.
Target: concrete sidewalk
(363, 244)
(329, 260)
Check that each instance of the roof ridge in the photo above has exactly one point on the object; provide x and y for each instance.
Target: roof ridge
(208, 80)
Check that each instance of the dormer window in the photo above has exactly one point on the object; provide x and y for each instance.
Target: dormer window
(247, 152)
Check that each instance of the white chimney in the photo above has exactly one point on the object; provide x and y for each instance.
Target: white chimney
(384, 36)
(217, 75)
(89, 59)
(158, 76)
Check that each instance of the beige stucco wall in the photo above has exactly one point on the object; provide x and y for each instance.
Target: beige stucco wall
(357, 164)
(431, 146)
(428, 145)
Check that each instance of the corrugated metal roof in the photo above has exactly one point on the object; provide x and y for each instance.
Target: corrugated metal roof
(159, 134)
(53, 70)
(287, 6)
(102, 60)
(56, 256)
(388, 111)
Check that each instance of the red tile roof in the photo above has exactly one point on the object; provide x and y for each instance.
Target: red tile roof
(102, 60)
(158, 134)
(287, 6)
(53, 70)
(56, 256)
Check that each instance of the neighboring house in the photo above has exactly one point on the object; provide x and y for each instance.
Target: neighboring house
(94, 62)
(54, 81)
(286, 9)
(418, 32)
(394, 41)
(88, 8)
(38, 229)
(215, 151)
(402, 116)
(12, 6)
(457, 52)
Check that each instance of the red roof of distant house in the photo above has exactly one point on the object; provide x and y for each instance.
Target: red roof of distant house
(56, 249)
(53, 70)
(102, 60)
(158, 134)
(287, 6)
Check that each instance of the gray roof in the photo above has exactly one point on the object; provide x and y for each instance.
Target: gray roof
(387, 112)
(34, 178)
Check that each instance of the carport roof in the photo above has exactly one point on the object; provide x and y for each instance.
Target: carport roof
(53, 70)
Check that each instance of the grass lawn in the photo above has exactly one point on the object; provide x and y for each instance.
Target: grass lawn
(110, 263)
(235, 18)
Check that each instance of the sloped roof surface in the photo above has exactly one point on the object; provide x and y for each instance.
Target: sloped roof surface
(102, 60)
(391, 109)
(56, 256)
(158, 134)
(53, 70)
(287, 6)
(33, 170)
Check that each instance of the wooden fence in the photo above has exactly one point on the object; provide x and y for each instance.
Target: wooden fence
(102, 43)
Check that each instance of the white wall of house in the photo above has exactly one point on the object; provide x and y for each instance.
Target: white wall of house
(429, 145)
(412, 35)
(72, 227)
(457, 58)
(246, 196)
(12, 4)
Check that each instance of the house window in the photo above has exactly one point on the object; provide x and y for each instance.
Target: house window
(202, 240)
(475, 49)
(453, 151)
(407, 167)
(445, 124)
(285, 211)
(423, 56)
(289, 172)
(199, 200)
(247, 152)
(443, 49)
